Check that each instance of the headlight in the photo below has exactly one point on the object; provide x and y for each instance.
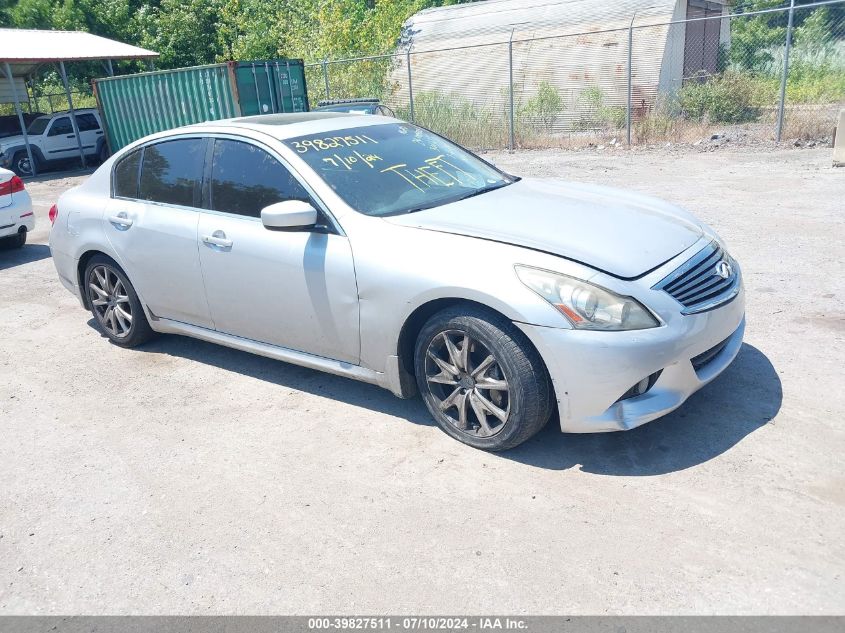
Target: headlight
(586, 306)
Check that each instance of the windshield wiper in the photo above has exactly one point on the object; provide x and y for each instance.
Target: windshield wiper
(481, 191)
(471, 194)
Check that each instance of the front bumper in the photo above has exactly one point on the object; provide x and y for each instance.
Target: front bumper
(591, 371)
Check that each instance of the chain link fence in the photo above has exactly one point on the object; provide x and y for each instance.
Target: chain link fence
(775, 74)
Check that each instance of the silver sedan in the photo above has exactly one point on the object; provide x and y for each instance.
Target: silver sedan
(376, 250)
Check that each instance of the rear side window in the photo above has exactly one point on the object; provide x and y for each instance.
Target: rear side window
(172, 171)
(245, 179)
(87, 122)
(126, 176)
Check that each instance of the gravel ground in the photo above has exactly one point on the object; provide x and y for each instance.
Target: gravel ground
(189, 478)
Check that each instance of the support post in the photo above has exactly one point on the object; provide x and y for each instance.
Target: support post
(326, 77)
(410, 83)
(782, 104)
(629, 106)
(72, 115)
(18, 111)
(511, 140)
(110, 68)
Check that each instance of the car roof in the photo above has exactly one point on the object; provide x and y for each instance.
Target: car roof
(66, 112)
(285, 126)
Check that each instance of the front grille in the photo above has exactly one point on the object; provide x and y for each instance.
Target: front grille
(708, 280)
(700, 361)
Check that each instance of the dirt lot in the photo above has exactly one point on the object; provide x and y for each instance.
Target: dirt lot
(188, 478)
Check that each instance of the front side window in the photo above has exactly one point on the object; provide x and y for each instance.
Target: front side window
(383, 170)
(126, 175)
(172, 171)
(245, 179)
(61, 126)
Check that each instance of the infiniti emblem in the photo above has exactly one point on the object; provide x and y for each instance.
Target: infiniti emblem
(724, 269)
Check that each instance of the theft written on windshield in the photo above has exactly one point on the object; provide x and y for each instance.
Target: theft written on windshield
(395, 168)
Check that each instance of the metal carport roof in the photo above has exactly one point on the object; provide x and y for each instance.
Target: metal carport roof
(22, 51)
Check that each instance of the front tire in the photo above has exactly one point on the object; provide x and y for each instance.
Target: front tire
(115, 304)
(481, 379)
(21, 165)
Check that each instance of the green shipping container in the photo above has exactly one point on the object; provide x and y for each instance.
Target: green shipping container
(133, 106)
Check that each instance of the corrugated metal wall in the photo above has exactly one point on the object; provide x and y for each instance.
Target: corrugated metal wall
(134, 106)
(6, 95)
(578, 48)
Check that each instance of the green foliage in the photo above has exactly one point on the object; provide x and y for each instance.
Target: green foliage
(728, 98)
(543, 109)
(595, 114)
(457, 118)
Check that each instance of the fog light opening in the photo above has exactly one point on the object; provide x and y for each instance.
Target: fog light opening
(641, 387)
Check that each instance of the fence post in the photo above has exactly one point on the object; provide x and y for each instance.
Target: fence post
(326, 77)
(628, 113)
(511, 144)
(73, 121)
(782, 104)
(410, 83)
(11, 78)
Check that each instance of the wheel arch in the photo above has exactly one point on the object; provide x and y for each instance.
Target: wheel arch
(415, 321)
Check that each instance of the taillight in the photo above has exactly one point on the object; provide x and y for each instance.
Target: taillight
(12, 186)
(54, 212)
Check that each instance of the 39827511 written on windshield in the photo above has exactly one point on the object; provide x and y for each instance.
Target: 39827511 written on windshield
(395, 168)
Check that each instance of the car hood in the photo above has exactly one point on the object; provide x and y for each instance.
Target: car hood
(621, 233)
(8, 141)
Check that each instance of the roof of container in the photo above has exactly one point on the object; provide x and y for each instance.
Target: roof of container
(494, 20)
(24, 49)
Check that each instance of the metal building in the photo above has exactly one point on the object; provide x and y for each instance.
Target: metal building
(579, 47)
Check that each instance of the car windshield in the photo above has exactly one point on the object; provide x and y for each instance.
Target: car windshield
(38, 125)
(395, 168)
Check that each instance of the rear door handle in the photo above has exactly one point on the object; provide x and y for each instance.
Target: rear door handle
(218, 239)
(121, 221)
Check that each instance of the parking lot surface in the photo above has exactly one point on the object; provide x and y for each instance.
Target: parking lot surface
(188, 478)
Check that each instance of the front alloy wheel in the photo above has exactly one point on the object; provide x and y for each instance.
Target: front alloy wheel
(468, 383)
(481, 379)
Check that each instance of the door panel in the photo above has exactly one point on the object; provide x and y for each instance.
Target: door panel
(293, 289)
(157, 246)
(60, 141)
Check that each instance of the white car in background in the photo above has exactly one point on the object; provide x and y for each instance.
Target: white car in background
(16, 217)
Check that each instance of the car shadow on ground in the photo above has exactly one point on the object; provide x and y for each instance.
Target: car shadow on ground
(746, 397)
(11, 257)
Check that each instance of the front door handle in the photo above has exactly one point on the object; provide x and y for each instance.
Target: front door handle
(218, 239)
(121, 221)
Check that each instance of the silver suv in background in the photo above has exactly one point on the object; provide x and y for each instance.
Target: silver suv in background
(52, 141)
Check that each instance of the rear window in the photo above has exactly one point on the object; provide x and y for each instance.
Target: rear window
(172, 171)
(126, 176)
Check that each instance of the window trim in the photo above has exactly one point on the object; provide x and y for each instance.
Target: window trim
(53, 124)
(333, 226)
(142, 148)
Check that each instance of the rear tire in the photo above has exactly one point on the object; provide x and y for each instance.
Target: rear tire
(115, 304)
(103, 154)
(481, 379)
(20, 239)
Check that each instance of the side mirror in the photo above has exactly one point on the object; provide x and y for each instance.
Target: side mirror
(289, 215)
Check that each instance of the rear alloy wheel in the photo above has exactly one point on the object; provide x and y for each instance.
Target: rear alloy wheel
(115, 304)
(481, 379)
